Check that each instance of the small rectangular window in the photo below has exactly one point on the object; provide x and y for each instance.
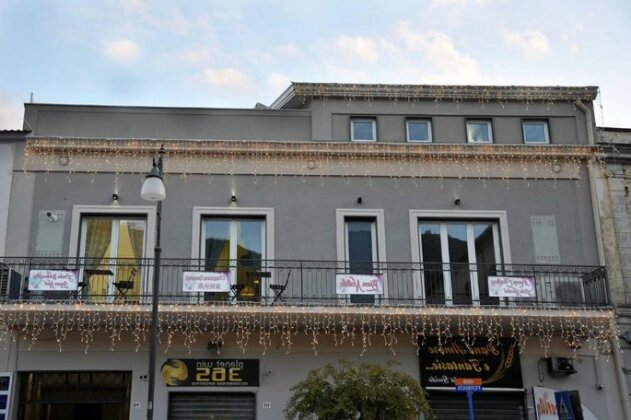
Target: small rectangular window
(363, 129)
(479, 131)
(419, 130)
(535, 131)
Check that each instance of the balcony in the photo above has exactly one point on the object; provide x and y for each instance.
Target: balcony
(274, 283)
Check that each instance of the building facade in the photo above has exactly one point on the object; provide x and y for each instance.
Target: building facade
(453, 229)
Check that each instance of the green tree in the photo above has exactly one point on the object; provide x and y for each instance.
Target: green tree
(365, 391)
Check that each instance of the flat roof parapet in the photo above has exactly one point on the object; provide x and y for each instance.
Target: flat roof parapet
(481, 93)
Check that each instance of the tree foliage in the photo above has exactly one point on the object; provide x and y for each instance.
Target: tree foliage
(365, 391)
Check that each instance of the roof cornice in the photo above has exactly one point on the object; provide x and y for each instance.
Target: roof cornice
(456, 93)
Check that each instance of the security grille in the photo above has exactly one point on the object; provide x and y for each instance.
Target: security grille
(212, 406)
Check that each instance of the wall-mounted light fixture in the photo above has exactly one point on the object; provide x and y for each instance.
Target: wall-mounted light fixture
(359, 200)
(233, 198)
(114, 197)
(457, 202)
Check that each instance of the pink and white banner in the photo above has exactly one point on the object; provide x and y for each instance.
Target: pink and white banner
(53, 280)
(518, 287)
(206, 281)
(359, 284)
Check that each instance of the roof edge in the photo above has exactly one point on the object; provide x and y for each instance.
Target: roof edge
(482, 93)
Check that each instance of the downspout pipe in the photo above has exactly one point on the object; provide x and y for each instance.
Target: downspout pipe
(618, 362)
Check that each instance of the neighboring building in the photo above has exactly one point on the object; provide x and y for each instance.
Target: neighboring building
(615, 211)
(9, 139)
(450, 228)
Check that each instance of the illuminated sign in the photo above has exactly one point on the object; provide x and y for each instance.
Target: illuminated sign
(211, 372)
(495, 363)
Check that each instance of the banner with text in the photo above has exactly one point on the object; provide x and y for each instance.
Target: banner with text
(53, 280)
(496, 363)
(359, 284)
(518, 287)
(211, 372)
(205, 281)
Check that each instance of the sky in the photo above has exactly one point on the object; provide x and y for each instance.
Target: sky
(235, 53)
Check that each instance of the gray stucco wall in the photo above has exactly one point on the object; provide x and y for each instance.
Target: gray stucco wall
(332, 121)
(167, 123)
(305, 208)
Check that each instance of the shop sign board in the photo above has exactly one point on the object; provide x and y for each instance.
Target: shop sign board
(211, 372)
(205, 281)
(495, 363)
(53, 280)
(359, 284)
(515, 287)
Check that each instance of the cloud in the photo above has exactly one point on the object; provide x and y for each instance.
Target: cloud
(439, 53)
(194, 55)
(532, 44)
(121, 49)
(360, 48)
(278, 81)
(230, 78)
(290, 49)
(10, 113)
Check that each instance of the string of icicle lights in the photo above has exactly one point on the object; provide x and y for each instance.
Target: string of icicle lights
(323, 159)
(526, 95)
(251, 325)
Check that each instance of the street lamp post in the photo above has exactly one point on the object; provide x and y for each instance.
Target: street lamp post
(153, 190)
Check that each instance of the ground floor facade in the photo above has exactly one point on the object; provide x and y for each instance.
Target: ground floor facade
(196, 381)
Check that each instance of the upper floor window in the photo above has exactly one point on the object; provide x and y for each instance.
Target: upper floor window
(363, 129)
(536, 131)
(419, 130)
(113, 248)
(479, 131)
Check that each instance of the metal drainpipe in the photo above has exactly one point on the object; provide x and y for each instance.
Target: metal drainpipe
(618, 363)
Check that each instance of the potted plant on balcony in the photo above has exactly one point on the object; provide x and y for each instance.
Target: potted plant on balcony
(364, 391)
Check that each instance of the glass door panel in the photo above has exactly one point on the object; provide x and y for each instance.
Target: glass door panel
(432, 257)
(459, 262)
(130, 252)
(361, 252)
(249, 256)
(216, 251)
(485, 249)
(98, 251)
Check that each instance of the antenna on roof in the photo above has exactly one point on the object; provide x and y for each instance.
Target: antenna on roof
(31, 99)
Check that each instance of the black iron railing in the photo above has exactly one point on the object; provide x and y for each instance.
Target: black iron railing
(308, 282)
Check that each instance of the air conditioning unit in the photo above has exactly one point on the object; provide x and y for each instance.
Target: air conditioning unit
(9, 282)
(560, 366)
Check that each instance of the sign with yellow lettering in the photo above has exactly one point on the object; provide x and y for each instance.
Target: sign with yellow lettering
(211, 372)
(494, 363)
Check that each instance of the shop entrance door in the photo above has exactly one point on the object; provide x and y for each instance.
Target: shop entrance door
(74, 395)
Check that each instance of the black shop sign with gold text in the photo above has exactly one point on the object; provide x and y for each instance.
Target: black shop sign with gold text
(211, 372)
(496, 362)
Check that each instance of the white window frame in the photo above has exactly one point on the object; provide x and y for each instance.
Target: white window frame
(373, 121)
(199, 213)
(427, 121)
(546, 132)
(149, 212)
(444, 216)
(341, 215)
(489, 124)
